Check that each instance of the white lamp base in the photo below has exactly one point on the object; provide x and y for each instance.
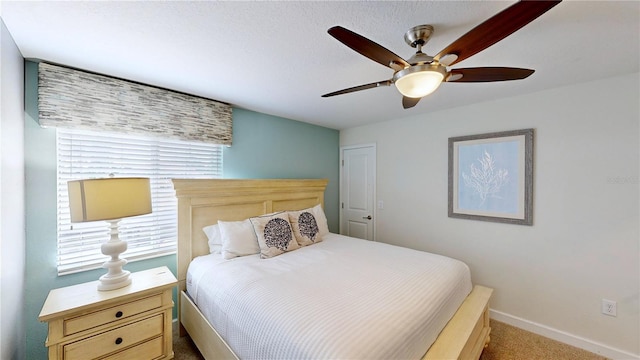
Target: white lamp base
(112, 283)
(115, 278)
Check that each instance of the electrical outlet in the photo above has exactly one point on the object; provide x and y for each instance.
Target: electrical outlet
(609, 307)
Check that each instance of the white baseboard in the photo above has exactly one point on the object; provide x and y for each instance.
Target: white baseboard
(563, 337)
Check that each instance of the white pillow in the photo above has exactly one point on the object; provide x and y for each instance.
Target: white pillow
(275, 235)
(305, 227)
(214, 238)
(238, 239)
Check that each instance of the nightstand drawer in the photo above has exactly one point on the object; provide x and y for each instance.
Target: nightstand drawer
(94, 319)
(151, 349)
(116, 339)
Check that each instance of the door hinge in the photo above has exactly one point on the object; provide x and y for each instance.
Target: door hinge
(342, 162)
(342, 206)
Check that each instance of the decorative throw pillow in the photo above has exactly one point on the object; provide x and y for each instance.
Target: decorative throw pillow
(274, 234)
(305, 227)
(238, 239)
(214, 238)
(321, 219)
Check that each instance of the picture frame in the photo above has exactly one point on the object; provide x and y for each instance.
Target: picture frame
(491, 177)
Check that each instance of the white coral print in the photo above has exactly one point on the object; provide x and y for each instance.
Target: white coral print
(486, 181)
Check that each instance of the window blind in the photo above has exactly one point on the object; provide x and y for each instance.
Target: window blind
(84, 155)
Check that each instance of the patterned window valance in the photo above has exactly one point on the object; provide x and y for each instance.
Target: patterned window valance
(76, 99)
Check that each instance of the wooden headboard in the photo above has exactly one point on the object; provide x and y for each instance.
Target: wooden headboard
(203, 202)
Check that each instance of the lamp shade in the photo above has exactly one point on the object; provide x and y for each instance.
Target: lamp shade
(108, 199)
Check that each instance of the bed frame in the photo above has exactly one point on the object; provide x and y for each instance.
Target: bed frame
(203, 202)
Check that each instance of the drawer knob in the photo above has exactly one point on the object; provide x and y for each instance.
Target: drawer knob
(119, 314)
(119, 341)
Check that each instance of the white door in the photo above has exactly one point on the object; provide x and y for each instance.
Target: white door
(357, 191)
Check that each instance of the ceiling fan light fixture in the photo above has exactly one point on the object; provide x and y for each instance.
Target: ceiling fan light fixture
(419, 80)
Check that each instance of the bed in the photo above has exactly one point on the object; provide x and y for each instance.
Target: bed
(204, 202)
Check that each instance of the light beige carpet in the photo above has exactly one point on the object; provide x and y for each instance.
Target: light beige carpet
(512, 343)
(507, 343)
(184, 348)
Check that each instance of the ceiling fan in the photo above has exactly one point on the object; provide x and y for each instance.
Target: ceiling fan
(422, 74)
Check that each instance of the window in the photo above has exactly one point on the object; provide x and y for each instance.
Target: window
(84, 155)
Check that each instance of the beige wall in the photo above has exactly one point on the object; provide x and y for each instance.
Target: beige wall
(12, 223)
(584, 244)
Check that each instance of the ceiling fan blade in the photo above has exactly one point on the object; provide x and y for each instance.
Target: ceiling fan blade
(488, 74)
(368, 48)
(496, 28)
(408, 102)
(358, 88)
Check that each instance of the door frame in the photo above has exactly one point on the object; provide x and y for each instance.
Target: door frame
(374, 189)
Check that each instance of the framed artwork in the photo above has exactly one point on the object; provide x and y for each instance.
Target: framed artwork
(491, 177)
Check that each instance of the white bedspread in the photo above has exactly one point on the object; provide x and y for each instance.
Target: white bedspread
(342, 298)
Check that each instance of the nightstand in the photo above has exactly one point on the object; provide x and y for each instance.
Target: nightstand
(133, 322)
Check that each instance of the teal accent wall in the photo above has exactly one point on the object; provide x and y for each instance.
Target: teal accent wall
(268, 147)
(264, 147)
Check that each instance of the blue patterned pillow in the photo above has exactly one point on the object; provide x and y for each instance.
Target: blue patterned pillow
(305, 227)
(275, 235)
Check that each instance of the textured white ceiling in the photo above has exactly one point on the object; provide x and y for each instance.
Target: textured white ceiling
(277, 58)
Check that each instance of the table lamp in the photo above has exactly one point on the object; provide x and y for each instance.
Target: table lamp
(110, 199)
